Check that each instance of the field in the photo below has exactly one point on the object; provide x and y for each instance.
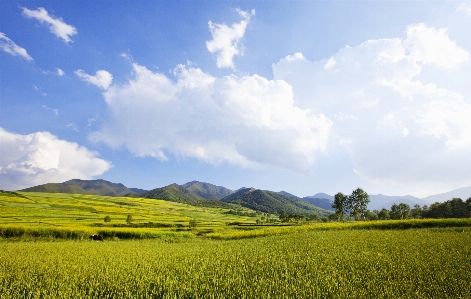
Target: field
(416, 263)
(45, 253)
(76, 216)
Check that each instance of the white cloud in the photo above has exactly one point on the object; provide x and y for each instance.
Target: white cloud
(10, 47)
(56, 25)
(431, 46)
(39, 158)
(405, 131)
(247, 121)
(101, 79)
(465, 7)
(60, 72)
(226, 40)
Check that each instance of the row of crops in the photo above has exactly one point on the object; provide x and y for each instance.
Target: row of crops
(414, 263)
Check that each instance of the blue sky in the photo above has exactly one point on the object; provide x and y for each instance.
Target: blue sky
(306, 97)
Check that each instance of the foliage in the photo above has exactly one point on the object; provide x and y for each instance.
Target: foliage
(107, 219)
(129, 219)
(357, 203)
(400, 211)
(454, 208)
(340, 206)
(318, 264)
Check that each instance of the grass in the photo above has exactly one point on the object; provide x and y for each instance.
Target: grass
(77, 215)
(413, 263)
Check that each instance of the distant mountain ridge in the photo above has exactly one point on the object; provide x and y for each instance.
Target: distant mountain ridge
(206, 194)
(273, 202)
(76, 186)
(206, 190)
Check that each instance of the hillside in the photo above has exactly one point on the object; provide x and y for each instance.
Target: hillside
(206, 190)
(324, 203)
(463, 193)
(272, 202)
(177, 193)
(85, 212)
(97, 187)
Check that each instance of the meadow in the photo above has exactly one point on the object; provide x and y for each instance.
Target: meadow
(414, 263)
(45, 252)
(76, 216)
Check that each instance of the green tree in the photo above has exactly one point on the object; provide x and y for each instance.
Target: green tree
(400, 211)
(284, 216)
(340, 206)
(192, 224)
(416, 211)
(357, 203)
(129, 219)
(383, 214)
(107, 219)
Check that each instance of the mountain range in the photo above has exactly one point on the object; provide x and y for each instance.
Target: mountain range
(209, 195)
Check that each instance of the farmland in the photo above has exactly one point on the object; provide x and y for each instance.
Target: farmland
(45, 253)
(416, 263)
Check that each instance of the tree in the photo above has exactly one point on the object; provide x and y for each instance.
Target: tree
(400, 211)
(357, 203)
(383, 214)
(192, 224)
(371, 215)
(340, 206)
(417, 211)
(284, 216)
(107, 219)
(129, 220)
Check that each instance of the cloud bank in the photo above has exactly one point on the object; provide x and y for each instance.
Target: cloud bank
(396, 128)
(56, 25)
(39, 158)
(364, 100)
(248, 121)
(9, 46)
(226, 40)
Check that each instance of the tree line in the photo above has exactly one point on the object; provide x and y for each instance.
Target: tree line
(354, 207)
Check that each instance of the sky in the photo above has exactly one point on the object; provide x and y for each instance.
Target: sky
(300, 96)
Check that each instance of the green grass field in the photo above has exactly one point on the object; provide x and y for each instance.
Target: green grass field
(45, 253)
(77, 215)
(414, 263)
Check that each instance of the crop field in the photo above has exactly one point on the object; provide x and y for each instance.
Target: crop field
(414, 263)
(78, 215)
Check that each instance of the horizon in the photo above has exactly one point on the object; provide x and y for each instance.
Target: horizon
(302, 97)
(280, 191)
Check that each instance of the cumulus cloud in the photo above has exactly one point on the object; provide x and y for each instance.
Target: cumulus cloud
(248, 121)
(10, 47)
(60, 72)
(39, 158)
(431, 46)
(403, 130)
(56, 25)
(102, 78)
(226, 40)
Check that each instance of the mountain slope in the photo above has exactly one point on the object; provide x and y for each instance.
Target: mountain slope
(206, 190)
(463, 193)
(324, 203)
(97, 187)
(177, 193)
(272, 202)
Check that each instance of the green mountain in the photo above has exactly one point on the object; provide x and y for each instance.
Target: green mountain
(97, 187)
(272, 202)
(177, 193)
(207, 191)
